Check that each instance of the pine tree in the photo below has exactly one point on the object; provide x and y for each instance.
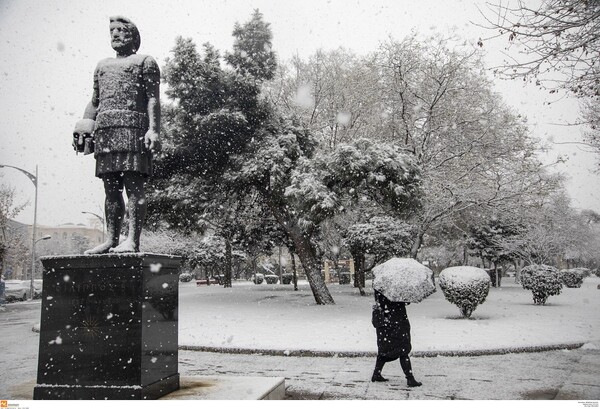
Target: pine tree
(252, 55)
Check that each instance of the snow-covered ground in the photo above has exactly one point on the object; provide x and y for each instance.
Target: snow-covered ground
(274, 317)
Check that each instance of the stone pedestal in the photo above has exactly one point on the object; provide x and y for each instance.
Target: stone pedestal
(109, 327)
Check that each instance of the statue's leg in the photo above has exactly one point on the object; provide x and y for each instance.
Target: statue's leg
(114, 208)
(136, 206)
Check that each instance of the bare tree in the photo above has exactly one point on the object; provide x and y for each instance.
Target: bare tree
(474, 151)
(431, 98)
(11, 242)
(591, 116)
(330, 94)
(556, 36)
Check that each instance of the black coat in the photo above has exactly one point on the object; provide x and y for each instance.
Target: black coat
(393, 331)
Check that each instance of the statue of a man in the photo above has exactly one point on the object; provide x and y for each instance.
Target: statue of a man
(125, 106)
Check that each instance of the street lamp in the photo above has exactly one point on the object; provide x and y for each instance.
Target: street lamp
(101, 221)
(34, 180)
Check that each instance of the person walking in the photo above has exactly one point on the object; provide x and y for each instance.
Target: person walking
(393, 337)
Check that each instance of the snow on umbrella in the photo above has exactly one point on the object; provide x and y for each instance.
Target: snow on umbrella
(403, 279)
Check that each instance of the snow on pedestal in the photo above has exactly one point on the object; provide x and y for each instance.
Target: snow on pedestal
(403, 279)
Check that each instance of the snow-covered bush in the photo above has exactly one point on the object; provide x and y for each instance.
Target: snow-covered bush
(271, 278)
(465, 286)
(286, 278)
(572, 278)
(185, 277)
(258, 278)
(542, 280)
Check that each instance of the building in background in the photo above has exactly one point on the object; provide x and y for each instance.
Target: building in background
(67, 233)
(66, 238)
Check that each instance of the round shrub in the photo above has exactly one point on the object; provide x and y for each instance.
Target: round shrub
(271, 278)
(572, 278)
(287, 278)
(542, 280)
(465, 286)
(258, 278)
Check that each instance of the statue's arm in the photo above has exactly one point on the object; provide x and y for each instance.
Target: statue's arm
(152, 85)
(153, 132)
(86, 125)
(91, 110)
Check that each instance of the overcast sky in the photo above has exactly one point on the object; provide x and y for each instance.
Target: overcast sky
(49, 49)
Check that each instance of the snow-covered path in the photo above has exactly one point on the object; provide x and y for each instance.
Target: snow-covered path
(548, 375)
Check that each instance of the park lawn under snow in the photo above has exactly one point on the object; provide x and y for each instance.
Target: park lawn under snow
(276, 317)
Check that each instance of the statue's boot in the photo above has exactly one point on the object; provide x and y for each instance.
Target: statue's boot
(114, 218)
(127, 246)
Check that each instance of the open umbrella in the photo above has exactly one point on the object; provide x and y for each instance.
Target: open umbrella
(403, 279)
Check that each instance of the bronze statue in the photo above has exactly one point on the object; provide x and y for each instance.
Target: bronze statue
(125, 106)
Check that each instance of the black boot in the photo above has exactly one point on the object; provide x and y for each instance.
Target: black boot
(377, 372)
(407, 369)
(412, 382)
(377, 377)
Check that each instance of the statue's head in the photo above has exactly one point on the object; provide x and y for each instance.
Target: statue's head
(124, 35)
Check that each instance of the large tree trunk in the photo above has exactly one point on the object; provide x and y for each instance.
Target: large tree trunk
(312, 268)
(307, 255)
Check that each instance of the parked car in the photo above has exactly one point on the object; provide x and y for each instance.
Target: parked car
(37, 289)
(16, 290)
